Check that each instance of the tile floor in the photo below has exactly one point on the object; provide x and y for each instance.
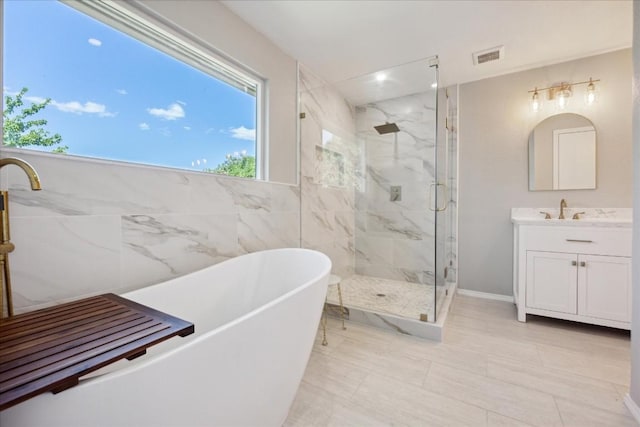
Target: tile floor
(405, 299)
(490, 370)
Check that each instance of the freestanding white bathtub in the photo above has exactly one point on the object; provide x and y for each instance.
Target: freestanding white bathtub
(255, 317)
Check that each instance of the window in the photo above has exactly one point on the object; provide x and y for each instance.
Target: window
(81, 87)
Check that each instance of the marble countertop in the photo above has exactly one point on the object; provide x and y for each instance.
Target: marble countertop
(592, 217)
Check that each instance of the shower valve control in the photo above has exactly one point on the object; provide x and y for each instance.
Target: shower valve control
(395, 193)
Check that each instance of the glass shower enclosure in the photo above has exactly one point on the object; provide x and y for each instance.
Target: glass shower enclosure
(376, 192)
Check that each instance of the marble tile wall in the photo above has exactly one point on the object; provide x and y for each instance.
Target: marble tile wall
(100, 226)
(328, 201)
(395, 239)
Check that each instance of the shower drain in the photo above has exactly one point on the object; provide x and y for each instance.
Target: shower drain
(380, 295)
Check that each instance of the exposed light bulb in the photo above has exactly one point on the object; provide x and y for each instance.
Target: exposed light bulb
(591, 92)
(562, 100)
(434, 85)
(535, 101)
(381, 77)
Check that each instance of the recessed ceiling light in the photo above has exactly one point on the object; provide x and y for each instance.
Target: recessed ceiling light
(434, 85)
(381, 77)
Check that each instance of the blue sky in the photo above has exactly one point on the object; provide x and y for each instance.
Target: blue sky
(116, 98)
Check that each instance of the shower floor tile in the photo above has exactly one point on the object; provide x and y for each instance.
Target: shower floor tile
(404, 299)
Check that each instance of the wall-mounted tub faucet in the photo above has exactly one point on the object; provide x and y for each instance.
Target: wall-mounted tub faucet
(5, 238)
(34, 179)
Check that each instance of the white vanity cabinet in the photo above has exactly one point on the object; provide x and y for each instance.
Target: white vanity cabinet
(580, 273)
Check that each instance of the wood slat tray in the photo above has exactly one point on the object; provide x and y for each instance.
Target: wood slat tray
(50, 349)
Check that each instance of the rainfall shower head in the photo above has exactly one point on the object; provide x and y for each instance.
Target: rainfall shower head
(387, 128)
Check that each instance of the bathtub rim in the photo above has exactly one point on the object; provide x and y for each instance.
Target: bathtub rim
(191, 340)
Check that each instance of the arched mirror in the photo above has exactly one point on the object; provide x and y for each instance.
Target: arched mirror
(562, 154)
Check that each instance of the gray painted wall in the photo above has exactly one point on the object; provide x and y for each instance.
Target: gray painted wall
(635, 325)
(495, 122)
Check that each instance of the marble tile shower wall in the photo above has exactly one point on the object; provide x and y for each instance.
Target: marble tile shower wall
(327, 208)
(109, 227)
(395, 239)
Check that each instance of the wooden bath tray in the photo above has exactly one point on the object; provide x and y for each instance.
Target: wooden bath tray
(50, 349)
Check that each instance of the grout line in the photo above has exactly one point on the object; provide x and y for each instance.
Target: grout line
(359, 385)
(426, 375)
(576, 399)
(555, 402)
(466, 402)
(542, 362)
(519, 421)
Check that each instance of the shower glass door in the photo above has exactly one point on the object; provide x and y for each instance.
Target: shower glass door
(371, 193)
(445, 195)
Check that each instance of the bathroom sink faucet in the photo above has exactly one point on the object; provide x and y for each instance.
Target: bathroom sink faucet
(5, 239)
(563, 204)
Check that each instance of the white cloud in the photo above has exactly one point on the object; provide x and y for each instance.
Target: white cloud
(79, 108)
(35, 99)
(122, 91)
(173, 112)
(164, 131)
(181, 103)
(144, 126)
(74, 106)
(187, 128)
(95, 42)
(243, 133)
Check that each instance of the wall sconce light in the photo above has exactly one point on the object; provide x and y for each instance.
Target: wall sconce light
(561, 93)
(591, 93)
(535, 101)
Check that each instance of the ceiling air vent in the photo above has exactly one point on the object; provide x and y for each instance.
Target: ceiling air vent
(488, 55)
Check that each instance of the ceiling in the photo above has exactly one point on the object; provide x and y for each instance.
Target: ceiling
(339, 40)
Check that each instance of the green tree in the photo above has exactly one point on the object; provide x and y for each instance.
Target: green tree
(19, 131)
(241, 165)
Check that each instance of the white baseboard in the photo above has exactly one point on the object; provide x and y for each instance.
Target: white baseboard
(633, 407)
(485, 295)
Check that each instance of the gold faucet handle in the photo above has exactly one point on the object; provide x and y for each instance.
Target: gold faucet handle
(577, 215)
(547, 215)
(6, 248)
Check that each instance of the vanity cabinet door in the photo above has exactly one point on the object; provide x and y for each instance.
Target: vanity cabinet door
(552, 281)
(604, 287)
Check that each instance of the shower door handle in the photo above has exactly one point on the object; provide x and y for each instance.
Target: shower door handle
(444, 193)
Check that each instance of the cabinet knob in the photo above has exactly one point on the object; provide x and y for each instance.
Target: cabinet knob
(574, 263)
(583, 264)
